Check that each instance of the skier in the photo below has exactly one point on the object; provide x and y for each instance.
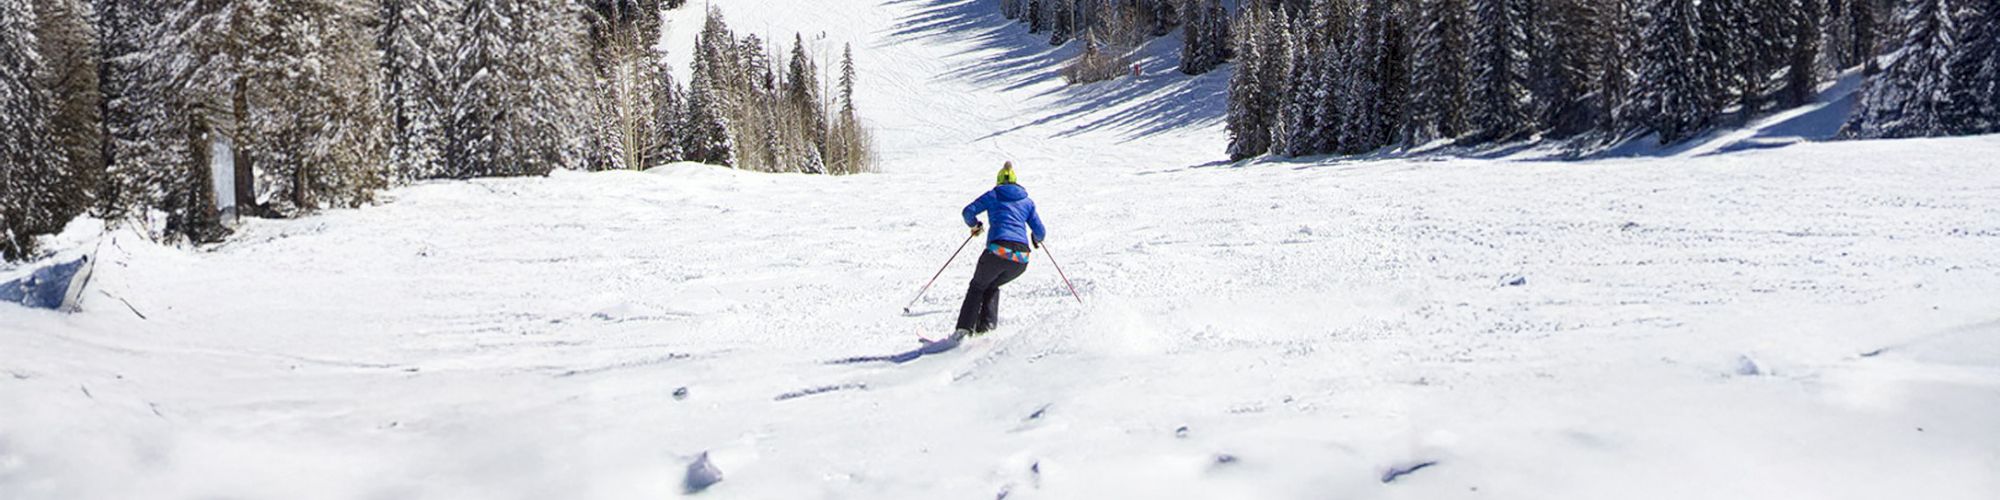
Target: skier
(1007, 206)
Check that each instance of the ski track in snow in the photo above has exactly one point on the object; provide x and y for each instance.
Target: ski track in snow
(1269, 330)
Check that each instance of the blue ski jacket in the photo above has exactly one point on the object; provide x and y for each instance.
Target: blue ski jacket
(1011, 212)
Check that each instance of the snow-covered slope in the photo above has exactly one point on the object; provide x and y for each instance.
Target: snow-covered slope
(1816, 321)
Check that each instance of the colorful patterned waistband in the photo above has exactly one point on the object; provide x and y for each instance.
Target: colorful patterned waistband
(1007, 253)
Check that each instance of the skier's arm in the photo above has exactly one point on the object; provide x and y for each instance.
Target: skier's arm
(972, 211)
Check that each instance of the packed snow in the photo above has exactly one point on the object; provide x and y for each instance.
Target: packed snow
(1816, 320)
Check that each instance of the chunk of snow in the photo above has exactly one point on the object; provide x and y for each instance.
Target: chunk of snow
(701, 474)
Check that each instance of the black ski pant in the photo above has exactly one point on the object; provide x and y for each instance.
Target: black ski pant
(981, 311)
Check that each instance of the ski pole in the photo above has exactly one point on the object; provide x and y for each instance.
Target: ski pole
(934, 277)
(1059, 272)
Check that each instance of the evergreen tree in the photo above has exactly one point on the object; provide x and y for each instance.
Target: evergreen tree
(1863, 26)
(414, 43)
(1975, 70)
(848, 149)
(1362, 90)
(1722, 30)
(1038, 17)
(1911, 97)
(29, 163)
(1206, 41)
(1392, 101)
(706, 137)
(847, 82)
(1500, 89)
(1440, 74)
(316, 112)
(1296, 133)
(472, 147)
(669, 124)
(157, 78)
(1281, 79)
(1062, 22)
(1249, 125)
(1194, 42)
(1330, 96)
(1574, 54)
(67, 46)
(1221, 43)
(622, 34)
(1802, 56)
(1623, 55)
(805, 108)
(1673, 87)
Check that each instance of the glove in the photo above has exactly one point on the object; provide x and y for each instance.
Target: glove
(978, 228)
(1038, 243)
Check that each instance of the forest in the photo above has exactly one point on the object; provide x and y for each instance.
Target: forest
(125, 109)
(1316, 77)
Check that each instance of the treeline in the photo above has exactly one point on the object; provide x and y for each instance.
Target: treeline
(1354, 76)
(122, 107)
(1111, 28)
(759, 108)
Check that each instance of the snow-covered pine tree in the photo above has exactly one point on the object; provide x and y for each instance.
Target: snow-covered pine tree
(1249, 128)
(1166, 15)
(315, 111)
(477, 93)
(159, 98)
(518, 104)
(1298, 120)
(1747, 41)
(1038, 16)
(1622, 54)
(706, 136)
(1672, 95)
(805, 108)
(669, 111)
(416, 45)
(1975, 69)
(1440, 73)
(1301, 114)
(1802, 72)
(1575, 39)
(1221, 43)
(1330, 110)
(754, 113)
(1282, 79)
(1363, 81)
(847, 78)
(68, 48)
(1194, 40)
(1500, 89)
(622, 36)
(29, 161)
(848, 148)
(1911, 97)
(1863, 26)
(1062, 22)
(1206, 41)
(557, 105)
(1723, 31)
(1392, 101)
(1770, 46)
(123, 33)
